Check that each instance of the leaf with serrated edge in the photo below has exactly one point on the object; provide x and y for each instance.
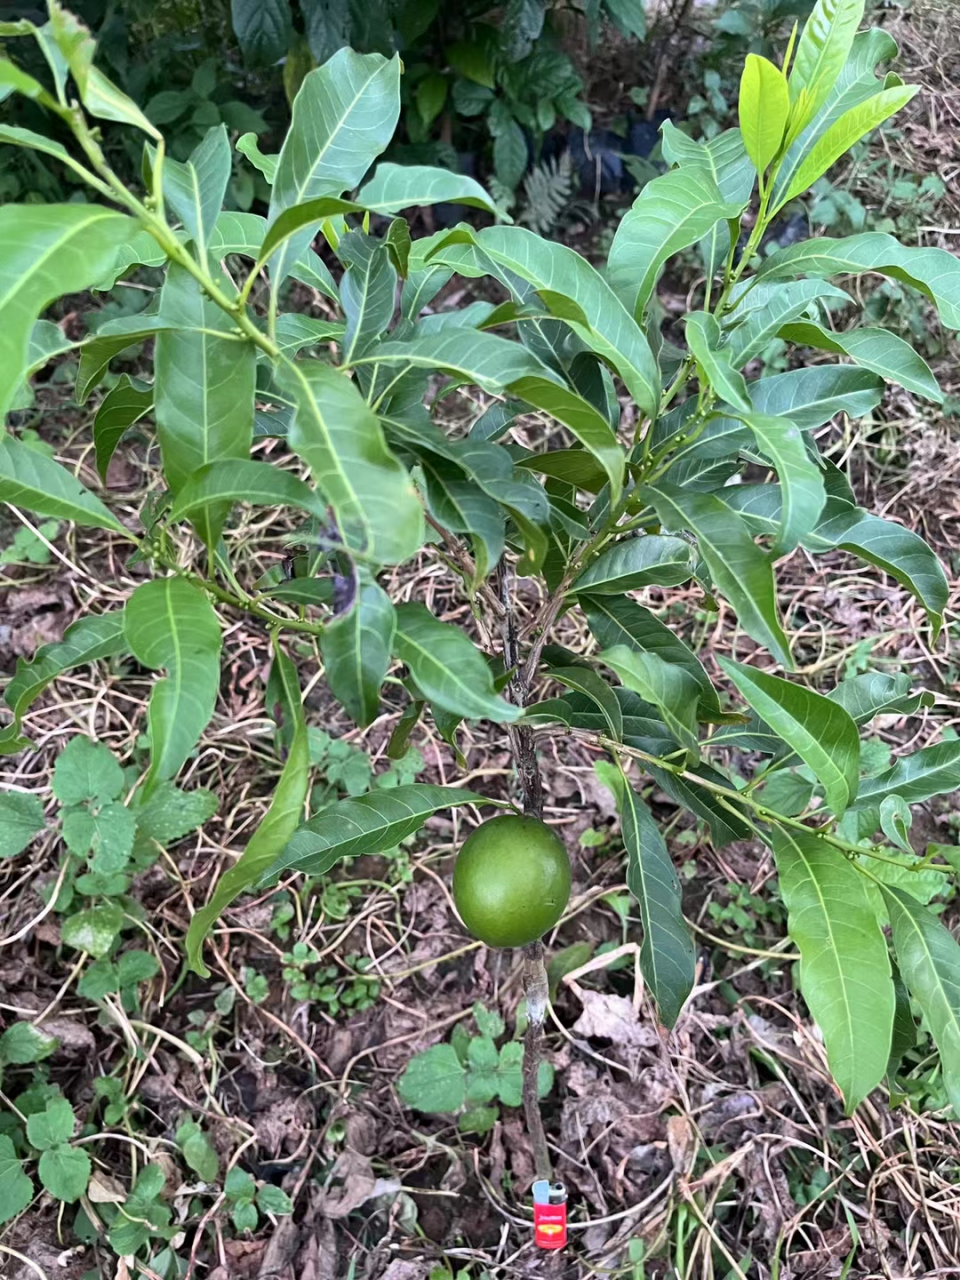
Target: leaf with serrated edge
(844, 964)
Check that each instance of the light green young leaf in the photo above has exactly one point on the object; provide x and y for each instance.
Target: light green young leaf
(16, 1189)
(844, 964)
(739, 568)
(802, 489)
(671, 689)
(932, 771)
(198, 1151)
(338, 436)
(433, 1081)
(763, 108)
(122, 406)
(170, 623)
(22, 1043)
(703, 339)
(884, 352)
(204, 391)
(21, 817)
(194, 189)
(819, 730)
(278, 823)
(394, 187)
(31, 480)
(580, 417)
(356, 650)
(344, 116)
(616, 620)
(373, 823)
(447, 667)
(666, 953)
(86, 640)
(822, 50)
(929, 960)
(896, 820)
(248, 146)
(724, 159)
(842, 135)
(86, 770)
(650, 560)
(672, 212)
(52, 1126)
(94, 930)
(17, 137)
(65, 1172)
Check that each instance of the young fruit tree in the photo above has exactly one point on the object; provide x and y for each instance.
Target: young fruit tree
(679, 466)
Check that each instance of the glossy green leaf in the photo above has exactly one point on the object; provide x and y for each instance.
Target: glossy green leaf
(652, 559)
(581, 418)
(822, 49)
(300, 217)
(884, 352)
(703, 339)
(763, 108)
(356, 651)
(818, 729)
(264, 29)
(394, 187)
(194, 189)
(616, 620)
(671, 689)
(367, 292)
(811, 397)
(492, 363)
(929, 960)
(447, 666)
(338, 436)
(844, 964)
(257, 483)
(741, 571)
(170, 623)
(344, 116)
(667, 957)
(802, 490)
(46, 251)
(122, 406)
(932, 771)
(203, 389)
(33, 481)
(372, 823)
(86, 640)
(592, 685)
(672, 212)
(844, 133)
(277, 825)
(935, 272)
(573, 466)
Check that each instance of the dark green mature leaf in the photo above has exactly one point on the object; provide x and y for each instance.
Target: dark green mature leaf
(653, 559)
(194, 189)
(434, 1081)
(492, 363)
(170, 623)
(904, 1028)
(447, 667)
(721, 814)
(935, 272)
(296, 331)
(46, 250)
(898, 551)
(725, 161)
(666, 953)
(373, 823)
(672, 212)
(703, 339)
(818, 729)
(338, 436)
(258, 483)
(394, 187)
(573, 466)
(929, 960)
(122, 406)
(592, 309)
(802, 488)
(461, 506)
(367, 292)
(878, 349)
(811, 397)
(589, 426)
(876, 693)
(65, 1172)
(932, 771)
(343, 117)
(203, 389)
(356, 651)
(737, 565)
(593, 686)
(112, 338)
(278, 824)
(844, 964)
(264, 29)
(31, 480)
(86, 640)
(615, 620)
(671, 689)
(762, 310)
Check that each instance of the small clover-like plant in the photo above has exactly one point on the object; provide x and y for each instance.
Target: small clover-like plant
(656, 482)
(245, 1197)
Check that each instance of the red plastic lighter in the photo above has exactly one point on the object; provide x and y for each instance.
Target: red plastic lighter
(550, 1219)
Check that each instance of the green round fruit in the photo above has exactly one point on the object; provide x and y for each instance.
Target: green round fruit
(511, 881)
